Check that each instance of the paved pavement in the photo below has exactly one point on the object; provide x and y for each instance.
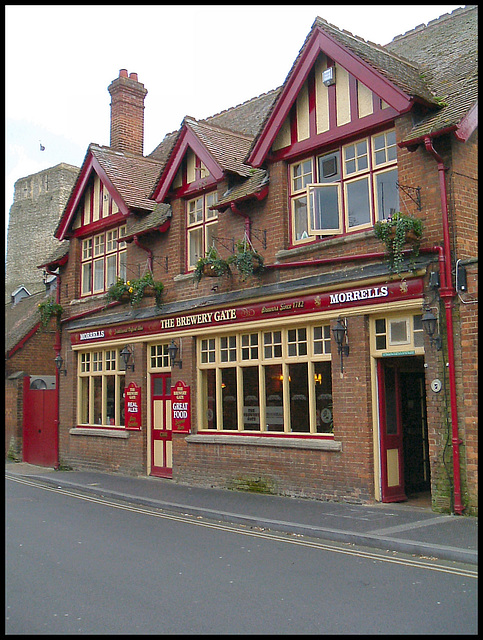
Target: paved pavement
(397, 527)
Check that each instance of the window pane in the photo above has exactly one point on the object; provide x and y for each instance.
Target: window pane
(323, 397)
(398, 332)
(229, 398)
(211, 230)
(99, 275)
(97, 389)
(300, 219)
(195, 211)
(358, 211)
(122, 265)
(274, 397)
(324, 208)
(299, 398)
(251, 399)
(209, 382)
(84, 401)
(120, 396)
(249, 342)
(86, 277)
(195, 245)
(110, 382)
(111, 270)
(387, 194)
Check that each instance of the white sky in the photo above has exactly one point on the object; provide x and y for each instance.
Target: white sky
(194, 60)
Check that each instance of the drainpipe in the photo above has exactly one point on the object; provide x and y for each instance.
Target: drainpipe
(235, 209)
(148, 251)
(447, 294)
(57, 346)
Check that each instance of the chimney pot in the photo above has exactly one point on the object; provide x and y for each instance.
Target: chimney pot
(133, 76)
(123, 73)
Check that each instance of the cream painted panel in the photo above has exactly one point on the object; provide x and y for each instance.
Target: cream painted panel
(321, 97)
(77, 220)
(364, 99)
(169, 454)
(283, 137)
(159, 453)
(158, 414)
(392, 467)
(95, 204)
(303, 113)
(168, 426)
(87, 206)
(342, 96)
(384, 105)
(190, 166)
(177, 182)
(115, 208)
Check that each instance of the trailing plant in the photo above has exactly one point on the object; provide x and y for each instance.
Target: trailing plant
(246, 259)
(146, 285)
(395, 231)
(118, 290)
(211, 265)
(135, 290)
(50, 309)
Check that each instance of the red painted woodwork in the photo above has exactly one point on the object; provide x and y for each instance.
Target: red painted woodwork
(39, 426)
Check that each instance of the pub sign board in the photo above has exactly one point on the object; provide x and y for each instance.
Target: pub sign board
(132, 406)
(181, 407)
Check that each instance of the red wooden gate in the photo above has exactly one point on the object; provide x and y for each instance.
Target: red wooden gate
(39, 425)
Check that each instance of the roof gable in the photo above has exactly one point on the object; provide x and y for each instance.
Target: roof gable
(390, 77)
(219, 150)
(127, 179)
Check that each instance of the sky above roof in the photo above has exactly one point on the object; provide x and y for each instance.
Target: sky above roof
(195, 60)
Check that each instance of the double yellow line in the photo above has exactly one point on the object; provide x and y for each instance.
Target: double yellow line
(241, 530)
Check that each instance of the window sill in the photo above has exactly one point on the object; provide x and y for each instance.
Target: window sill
(92, 431)
(266, 441)
(303, 249)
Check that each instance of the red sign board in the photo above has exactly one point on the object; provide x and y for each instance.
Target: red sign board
(132, 406)
(181, 407)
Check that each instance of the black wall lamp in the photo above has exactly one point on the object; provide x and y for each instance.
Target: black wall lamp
(430, 321)
(126, 354)
(173, 352)
(58, 363)
(340, 337)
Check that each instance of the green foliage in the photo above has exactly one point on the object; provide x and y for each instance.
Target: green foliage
(246, 260)
(393, 232)
(135, 290)
(211, 264)
(50, 309)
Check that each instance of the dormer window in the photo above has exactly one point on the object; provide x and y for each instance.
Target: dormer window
(345, 190)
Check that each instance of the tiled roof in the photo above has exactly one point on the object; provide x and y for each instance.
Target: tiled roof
(59, 252)
(446, 51)
(21, 318)
(252, 185)
(228, 148)
(138, 225)
(399, 71)
(133, 176)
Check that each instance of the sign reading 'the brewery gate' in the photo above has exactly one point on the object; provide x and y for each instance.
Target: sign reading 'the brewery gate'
(132, 406)
(181, 407)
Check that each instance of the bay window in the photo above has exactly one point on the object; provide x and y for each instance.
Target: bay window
(345, 190)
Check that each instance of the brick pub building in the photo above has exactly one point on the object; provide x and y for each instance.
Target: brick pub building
(258, 392)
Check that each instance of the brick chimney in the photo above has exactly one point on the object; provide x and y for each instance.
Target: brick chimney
(127, 113)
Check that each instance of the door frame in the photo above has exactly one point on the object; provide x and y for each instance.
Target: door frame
(163, 435)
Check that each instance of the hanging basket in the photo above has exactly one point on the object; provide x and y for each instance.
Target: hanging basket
(210, 271)
(410, 236)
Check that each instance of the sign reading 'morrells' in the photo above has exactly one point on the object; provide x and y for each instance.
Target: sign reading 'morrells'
(295, 306)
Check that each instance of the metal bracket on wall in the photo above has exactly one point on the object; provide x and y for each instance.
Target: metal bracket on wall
(412, 192)
(259, 232)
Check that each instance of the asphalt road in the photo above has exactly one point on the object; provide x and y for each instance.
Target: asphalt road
(77, 564)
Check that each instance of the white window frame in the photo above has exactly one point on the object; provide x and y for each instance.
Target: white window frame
(97, 255)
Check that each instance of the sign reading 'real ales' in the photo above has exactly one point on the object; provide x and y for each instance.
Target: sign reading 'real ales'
(132, 406)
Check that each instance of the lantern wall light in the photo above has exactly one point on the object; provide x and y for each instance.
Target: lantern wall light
(173, 352)
(430, 322)
(126, 354)
(58, 363)
(340, 337)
